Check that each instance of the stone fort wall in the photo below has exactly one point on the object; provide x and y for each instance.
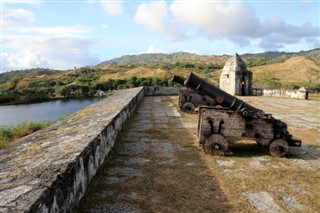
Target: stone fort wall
(49, 171)
(281, 93)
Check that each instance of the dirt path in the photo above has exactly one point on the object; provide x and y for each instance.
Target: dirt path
(156, 166)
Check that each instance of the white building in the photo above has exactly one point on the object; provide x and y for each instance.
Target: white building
(235, 79)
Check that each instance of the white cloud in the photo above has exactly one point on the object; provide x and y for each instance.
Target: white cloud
(216, 19)
(209, 18)
(232, 20)
(154, 16)
(59, 47)
(12, 18)
(277, 34)
(57, 30)
(23, 59)
(25, 46)
(152, 49)
(113, 8)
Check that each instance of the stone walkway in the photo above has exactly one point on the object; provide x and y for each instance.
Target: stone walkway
(156, 166)
(298, 113)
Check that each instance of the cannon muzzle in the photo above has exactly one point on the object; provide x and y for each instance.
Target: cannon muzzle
(178, 79)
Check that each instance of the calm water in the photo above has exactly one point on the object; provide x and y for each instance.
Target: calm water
(51, 110)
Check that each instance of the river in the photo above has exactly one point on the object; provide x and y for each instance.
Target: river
(50, 110)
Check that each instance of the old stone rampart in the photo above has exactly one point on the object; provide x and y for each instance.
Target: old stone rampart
(154, 91)
(49, 171)
(297, 94)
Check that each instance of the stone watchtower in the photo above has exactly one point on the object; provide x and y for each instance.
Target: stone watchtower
(235, 79)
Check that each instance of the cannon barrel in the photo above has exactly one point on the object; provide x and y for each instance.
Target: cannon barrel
(221, 97)
(178, 79)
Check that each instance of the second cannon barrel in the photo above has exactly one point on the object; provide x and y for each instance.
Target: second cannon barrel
(226, 100)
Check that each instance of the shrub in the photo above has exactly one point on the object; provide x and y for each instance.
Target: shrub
(8, 133)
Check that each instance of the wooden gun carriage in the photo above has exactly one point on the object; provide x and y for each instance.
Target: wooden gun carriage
(229, 120)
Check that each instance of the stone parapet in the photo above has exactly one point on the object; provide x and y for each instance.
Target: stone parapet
(154, 91)
(49, 171)
(297, 94)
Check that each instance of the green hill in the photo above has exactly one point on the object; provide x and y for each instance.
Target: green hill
(184, 57)
(161, 58)
(26, 73)
(270, 70)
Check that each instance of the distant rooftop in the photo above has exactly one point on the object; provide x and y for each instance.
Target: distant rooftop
(235, 64)
(302, 89)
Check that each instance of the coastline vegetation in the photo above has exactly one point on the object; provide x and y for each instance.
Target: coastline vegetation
(10, 134)
(83, 83)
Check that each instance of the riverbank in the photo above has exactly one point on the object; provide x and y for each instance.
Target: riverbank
(10, 134)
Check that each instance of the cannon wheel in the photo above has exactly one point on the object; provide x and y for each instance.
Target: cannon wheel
(188, 107)
(278, 148)
(216, 144)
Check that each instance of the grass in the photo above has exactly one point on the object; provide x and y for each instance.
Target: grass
(314, 96)
(10, 134)
(296, 69)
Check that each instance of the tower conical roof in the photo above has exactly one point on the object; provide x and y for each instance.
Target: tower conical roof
(235, 64)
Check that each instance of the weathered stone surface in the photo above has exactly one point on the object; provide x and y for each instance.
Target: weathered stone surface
(112, 208)
(185, 148)
(135, 147)
(291, 203)
(163, 149)
(152, 91)
(240, 175)
(256, 164)
(50, 170)
(9, 195)
(262, 201)
(124, 171)
(136, 160)
(228, 163)
(122, 174)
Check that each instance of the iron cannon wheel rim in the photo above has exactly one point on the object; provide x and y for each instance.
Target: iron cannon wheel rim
(216, 144)
(188, 107)
(278, 148)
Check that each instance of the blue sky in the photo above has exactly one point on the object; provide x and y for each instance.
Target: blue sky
(66, 34)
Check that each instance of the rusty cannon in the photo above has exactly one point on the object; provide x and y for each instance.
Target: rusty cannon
(189, 99)
(230, 120)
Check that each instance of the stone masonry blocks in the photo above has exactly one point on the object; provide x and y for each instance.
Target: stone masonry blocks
(69, 158)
